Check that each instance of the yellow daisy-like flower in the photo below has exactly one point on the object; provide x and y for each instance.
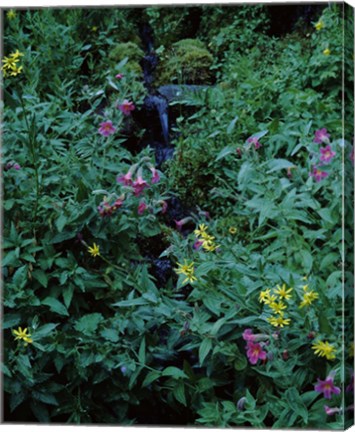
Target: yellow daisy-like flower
(324, 349)
(283, 292)
(94, 29)
(264, 296)
(201, 231)
(10, 66)
(277, 307)
(308, 298)
(94, 250)
(22, 335)
(11, 14)
(327, 52)
(187, 270)
(209, 246)
(233, 230)
(279, 321)
(319, 25)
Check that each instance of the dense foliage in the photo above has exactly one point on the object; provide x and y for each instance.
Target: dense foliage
(207, 289)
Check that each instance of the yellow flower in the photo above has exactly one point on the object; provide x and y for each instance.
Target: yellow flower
(22, 335)
(264, 296)
(233, 230)
(277, 307)
(201, 231)
(209, 246)
(11, 14)
(94, 250)
(319, 25)
(187, 270)
(279, 321)
(324, 349)
(305, 278)
(282, 292)
(10, 67)
(94, 29)
(326, 51)
(308, 298)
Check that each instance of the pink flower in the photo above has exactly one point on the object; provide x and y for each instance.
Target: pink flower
(327, 387)
(119, 76)
(180, 223)
(125, 179)
(254, 140)
(139, 185)
(326, 154)
(318, 175)
(106, 128)
(255, 352)
(164, 205)
(105, 209)
(142, 207)
(321, 135)
(331, 411)
(13, 165)
(197, 245)
(126, 107)
(117, 204)
(248, 335)
(155, 175)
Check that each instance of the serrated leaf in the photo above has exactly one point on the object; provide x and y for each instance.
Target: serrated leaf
(110, 334)
(89, 323)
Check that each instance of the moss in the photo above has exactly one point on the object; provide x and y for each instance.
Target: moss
(187, 62)
(130, 50)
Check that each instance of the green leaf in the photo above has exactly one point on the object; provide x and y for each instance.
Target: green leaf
(174, 372)
(296, 403)
(55, 306)
(16, 399)
(89, 323)
(179, 393)
(278, 164)
(68, 292)
(6, 371)
(110, 334)
(204, 349)
(11, 320)
(47, 398)
(41, 276)
(40, 411)
(141, 353)
(61, 222)
(43, 331)
(151, 377)
(231, 125)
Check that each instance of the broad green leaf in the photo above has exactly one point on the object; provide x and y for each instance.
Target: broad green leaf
(179, 393)
(174, 372)
(204, 349)
(141, 353)
(55, 306)
(89, 323)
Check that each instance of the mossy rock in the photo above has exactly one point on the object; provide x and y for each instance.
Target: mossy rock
(128, 50)
(187, 62)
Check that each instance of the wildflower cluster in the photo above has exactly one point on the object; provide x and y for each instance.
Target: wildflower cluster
(275, 300)
(254, 141)
(309, 297)
(188, 270)
(324, 349)
(326, 155)
(107, 209)
(204, 240)
(10, 66)
(126, 107)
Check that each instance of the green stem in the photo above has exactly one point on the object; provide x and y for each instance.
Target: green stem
(34, 161)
